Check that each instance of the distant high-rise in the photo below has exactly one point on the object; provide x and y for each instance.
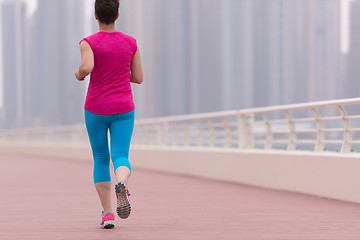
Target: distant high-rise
(13, 21)
(40, 55)
(296, 51)
(59, 26)
(324, 53)
(211, 55)
(190, 53)
(162, 35)
(353, 58)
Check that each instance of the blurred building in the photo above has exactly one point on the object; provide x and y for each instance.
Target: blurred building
(59, 26)
(297, 51)
(190, 54)
(353, 57)
(279, 52)
(211, 55)
(325, 61)
(13, 20)
(41, 53)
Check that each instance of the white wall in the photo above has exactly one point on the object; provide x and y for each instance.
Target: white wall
(331, 175)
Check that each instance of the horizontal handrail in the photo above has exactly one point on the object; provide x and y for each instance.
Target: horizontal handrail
(290, 107)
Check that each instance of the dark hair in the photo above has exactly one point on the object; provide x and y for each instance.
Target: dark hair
(107, 10)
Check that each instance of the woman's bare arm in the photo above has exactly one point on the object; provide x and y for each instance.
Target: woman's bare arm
(87, 61)
(136, 74)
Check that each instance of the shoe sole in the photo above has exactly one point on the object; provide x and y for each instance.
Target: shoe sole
(123, 208)
(108, 225)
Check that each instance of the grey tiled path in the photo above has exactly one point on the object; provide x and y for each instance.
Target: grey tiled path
(50, 198)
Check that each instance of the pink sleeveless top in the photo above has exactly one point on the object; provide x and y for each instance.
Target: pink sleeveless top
(109, 90)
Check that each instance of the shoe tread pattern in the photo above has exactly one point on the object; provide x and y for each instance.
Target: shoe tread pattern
(123, 208)
(108, 225)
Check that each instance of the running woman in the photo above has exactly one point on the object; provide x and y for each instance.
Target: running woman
(112, 59)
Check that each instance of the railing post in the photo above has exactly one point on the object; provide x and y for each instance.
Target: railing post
(187, 133)
(269, 134)
(75, 136)
(245, 131)
(143, 129)
(138, 135)
(48, 135)
(155, 133)
(320, 136)
(211, 133)
(163, 133)
(200, 140)
(346, 146)
(175, 134)
(292, 131)
(227, 133)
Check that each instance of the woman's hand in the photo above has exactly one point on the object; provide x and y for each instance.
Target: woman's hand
(78, 77)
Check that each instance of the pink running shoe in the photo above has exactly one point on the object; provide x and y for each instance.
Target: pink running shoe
(123, 202)
(108, 220)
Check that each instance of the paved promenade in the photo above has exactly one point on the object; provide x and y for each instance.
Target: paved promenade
(50, 198)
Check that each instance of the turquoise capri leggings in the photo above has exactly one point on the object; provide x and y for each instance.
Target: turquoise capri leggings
(121, 128)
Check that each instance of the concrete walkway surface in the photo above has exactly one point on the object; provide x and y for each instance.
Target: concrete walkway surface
(54, 198)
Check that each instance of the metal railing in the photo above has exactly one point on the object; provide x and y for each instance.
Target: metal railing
(67, 134)
(318, 126)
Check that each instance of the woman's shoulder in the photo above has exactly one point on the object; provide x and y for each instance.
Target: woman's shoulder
(93, 39)
(93, 36)
(131, 40)
(126, 36)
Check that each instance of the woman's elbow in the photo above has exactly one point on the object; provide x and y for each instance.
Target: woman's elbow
(86, 69)
(136, 78)
(140, 80)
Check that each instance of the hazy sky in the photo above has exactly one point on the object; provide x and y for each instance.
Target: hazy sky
(32, 5)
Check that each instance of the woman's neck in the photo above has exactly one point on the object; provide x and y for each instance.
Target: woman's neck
(107, 28)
